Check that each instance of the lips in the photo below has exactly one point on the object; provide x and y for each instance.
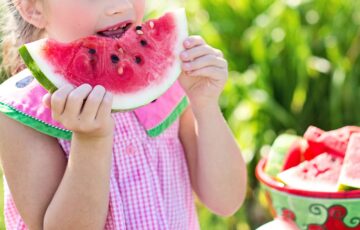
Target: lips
(116, 31)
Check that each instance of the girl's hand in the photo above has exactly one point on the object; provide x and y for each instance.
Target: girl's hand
(84, 110)
(205, 72)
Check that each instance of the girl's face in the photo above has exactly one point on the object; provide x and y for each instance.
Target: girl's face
(68, 20)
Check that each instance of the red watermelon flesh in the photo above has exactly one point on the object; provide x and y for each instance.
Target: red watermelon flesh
(346, 132)
(334, 142)
(136, 67)
(318, 174)
(295, 154)
(315, 148)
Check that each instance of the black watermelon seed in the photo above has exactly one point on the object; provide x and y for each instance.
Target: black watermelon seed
(92, 51)
(154, 101)
(138, 28)
(115, 59)
(138, 59)
(143, 43)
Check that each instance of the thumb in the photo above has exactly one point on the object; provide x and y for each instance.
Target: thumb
(46, 100)
(185, 81)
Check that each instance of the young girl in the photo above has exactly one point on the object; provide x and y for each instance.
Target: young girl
(112, 174)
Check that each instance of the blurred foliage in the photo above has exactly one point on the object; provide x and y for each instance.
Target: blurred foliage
(293, 63)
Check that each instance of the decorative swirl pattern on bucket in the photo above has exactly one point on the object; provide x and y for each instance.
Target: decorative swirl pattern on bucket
(317, 209)
(335, 218)
(355, 221)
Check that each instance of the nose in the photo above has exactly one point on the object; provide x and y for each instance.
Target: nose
(119, 7)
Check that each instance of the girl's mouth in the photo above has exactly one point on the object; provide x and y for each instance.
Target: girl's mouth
(116, 31)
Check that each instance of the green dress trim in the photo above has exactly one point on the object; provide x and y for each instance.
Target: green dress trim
(56, 132)
(35, 123)
(170, 119)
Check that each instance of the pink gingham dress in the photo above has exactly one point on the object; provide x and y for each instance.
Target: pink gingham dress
(149, 185)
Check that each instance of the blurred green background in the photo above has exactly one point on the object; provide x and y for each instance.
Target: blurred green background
(293, 63)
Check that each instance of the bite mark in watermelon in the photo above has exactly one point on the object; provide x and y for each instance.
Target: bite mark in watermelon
(136, 68)
(319, 174)
(350, 173)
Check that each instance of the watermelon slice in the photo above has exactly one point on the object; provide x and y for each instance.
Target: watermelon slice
(136, 66)
(334, 142)
(319, 174)
(350, 173)
(285, 153)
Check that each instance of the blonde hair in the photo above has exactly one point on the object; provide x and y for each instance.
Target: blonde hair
(16, 32)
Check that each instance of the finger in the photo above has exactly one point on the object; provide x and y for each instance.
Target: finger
(46, 100)
(210, 72)
(219, 53)
(76, 99)
(93, 102)
(204, 61)
(197, 52)
(193, 41)
(58, 99)
(105, 107)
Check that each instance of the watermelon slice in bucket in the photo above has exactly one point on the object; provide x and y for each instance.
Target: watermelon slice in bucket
(349, 176)
(285, 152)
(137, 65)
(319, 174)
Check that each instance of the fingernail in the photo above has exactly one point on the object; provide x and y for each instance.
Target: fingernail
(87, 85)
(100, 87)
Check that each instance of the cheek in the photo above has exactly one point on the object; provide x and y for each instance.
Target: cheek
(68, 23)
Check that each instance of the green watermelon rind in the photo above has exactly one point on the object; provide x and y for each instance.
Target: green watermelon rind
(343, 187)
(347, 184)
(35, 69)
(278, 153)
